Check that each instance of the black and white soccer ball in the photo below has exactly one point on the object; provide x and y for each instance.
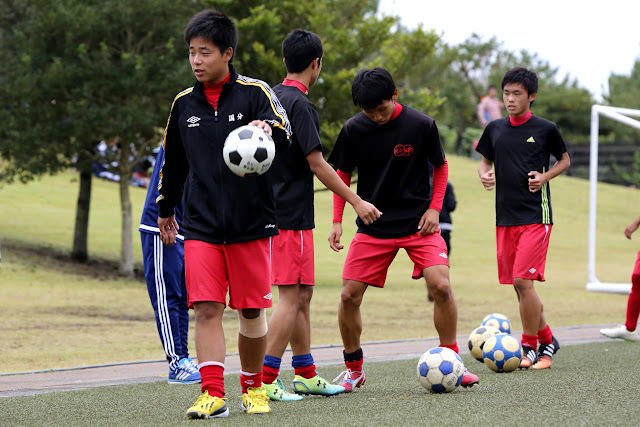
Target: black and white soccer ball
(248, 151)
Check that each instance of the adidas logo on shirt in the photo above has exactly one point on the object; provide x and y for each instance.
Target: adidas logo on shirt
(531, 139)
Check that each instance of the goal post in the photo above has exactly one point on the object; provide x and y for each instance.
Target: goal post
(625, 116)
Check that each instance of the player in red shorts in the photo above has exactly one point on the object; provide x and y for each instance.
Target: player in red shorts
(519, 147)
(391, 145)
(628, 331)
(292, 260)
(228, 220)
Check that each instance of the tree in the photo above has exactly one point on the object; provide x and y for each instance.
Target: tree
(83, 72)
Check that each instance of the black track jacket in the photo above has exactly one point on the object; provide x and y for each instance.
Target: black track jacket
(219, 206)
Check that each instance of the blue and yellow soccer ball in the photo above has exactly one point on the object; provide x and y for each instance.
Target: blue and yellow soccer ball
(477, 339)
(502, 353)
(499, 321)
(440, 370)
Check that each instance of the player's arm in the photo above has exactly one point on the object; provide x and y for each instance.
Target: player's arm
(271, 112)
(338, 212)
(325, 173)
(537, 179)
(431, 219)
(172, 176)
(480, 114)
(485, 172)
(631, 228)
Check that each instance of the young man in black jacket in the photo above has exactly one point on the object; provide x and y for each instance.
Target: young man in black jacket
(228, 220)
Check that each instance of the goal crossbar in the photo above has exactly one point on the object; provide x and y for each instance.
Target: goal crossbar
(622, 115)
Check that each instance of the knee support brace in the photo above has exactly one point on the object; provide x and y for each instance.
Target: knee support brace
(253, 328)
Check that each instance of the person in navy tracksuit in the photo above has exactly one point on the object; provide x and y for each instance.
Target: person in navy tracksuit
(165, 277)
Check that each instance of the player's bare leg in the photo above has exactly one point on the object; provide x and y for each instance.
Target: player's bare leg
(445, 313)
(532, 319)
(301, 335)
(291, 299)
(530, 306)
(349, 317)
(209, 334)
(251, 350)
(350, 322)
(445, 309)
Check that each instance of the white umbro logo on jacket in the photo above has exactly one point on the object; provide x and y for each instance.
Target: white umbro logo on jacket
(193, 121)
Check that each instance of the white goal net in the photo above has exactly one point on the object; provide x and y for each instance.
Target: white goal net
(622, 115)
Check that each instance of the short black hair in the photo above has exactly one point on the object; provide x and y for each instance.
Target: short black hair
(371, 88)
(300, 48)
(213, 26)
(528, 79)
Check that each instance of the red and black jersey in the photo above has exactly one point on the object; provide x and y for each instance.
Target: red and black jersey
(515, 151)
(292, 176)
(393, 167)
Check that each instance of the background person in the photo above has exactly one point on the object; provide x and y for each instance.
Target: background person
(628, 330)
(164, 274)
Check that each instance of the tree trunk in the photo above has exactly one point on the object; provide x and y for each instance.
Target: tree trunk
(126, 244)
(459, 141)
(81, 231)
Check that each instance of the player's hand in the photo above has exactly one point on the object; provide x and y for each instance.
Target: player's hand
(366, 211)
(630, 229)
(168, 230)
(429, 222)
(536, 181)
(488, 180)
(262, 125)
(334, 236)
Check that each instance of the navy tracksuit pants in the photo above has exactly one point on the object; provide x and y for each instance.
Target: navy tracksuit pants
(164, 274)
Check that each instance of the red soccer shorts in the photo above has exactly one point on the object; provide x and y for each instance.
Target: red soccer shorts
(292, 258)
(522, 251)
(242, 268)
(369, 258)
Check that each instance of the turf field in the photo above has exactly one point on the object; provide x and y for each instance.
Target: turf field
(591, 384)
(90, 315)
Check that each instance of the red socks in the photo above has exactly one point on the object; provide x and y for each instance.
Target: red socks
(212, 380)
(545, 336)
(248, 379)
(453, 347)
(530, 341)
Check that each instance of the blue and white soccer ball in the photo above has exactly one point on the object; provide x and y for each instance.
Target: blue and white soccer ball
(478, 337)
(502, 353)
(499, 321)
(440, 370)
(248, 151)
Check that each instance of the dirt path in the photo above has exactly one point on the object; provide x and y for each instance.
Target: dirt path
(28, 384)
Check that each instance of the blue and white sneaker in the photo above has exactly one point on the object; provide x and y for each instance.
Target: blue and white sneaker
(185, 373)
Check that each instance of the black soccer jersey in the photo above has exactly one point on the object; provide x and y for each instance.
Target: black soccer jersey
(292, 176)
(515, 151)
(393, 171)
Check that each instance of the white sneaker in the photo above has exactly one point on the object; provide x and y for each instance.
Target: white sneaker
(621, 332)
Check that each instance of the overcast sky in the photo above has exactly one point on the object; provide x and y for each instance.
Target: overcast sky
(588, 40)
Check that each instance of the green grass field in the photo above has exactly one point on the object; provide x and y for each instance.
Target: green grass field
(593, 384)
(56, 313)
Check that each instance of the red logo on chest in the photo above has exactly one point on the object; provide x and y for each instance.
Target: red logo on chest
(402, 150)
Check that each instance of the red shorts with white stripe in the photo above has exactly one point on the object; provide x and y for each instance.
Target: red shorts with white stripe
(292, 258)
(522, 251)
(244, 269)
(369, 257)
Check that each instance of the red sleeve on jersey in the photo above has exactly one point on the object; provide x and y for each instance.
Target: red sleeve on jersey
(339, 202)
(440, 177)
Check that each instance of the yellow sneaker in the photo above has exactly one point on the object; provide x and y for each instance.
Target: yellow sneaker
(208, 407)
(256, 401)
